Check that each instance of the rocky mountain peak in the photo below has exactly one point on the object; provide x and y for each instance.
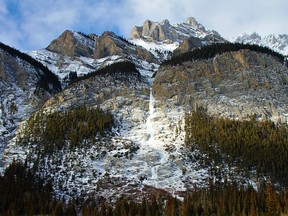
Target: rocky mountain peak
(164, 31)
(165, 22)
(192, 21)
(253, 37)
(277, 42)
(154, 31)
(73, 44)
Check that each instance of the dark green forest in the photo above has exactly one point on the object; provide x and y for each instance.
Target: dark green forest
(216, 200)
(58, 130)
(47, 76)
(249, 143)
(210, 51)
(23, 192)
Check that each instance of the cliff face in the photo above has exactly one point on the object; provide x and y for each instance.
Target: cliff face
(232, 84)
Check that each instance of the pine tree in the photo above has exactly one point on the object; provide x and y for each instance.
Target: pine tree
(271, 201)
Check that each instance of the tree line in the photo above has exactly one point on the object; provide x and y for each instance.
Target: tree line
(210, 51)
(54, 131)
(249, 143)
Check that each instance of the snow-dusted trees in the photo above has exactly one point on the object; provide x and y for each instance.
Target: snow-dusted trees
(55, 131)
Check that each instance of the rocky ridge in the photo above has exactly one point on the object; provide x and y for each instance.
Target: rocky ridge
(78, 54)
(178, 38)
(164, 31)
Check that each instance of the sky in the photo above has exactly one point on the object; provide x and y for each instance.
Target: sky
(28, 24)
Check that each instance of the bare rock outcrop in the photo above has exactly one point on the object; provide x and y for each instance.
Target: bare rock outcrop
(73, 44)
(154, 31)
(109, 44)
(187, 44)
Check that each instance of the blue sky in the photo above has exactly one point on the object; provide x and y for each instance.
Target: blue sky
(30, 24)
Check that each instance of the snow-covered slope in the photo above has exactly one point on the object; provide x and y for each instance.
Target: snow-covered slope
(108, 49)
(277, 42)
(63, 65)
(24, 87)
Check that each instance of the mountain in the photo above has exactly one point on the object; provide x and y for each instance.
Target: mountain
(276, 42)
(75, 53)
(160, 37)
(135, 120)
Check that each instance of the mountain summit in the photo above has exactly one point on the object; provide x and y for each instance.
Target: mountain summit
(164, 31)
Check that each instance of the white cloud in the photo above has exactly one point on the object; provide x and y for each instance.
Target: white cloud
(41, 21)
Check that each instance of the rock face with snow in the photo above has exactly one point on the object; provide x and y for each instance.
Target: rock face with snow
(276, 42)
(146, 147)
(162, 38)
(24, 87)
(143, 150)
(80, 54)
